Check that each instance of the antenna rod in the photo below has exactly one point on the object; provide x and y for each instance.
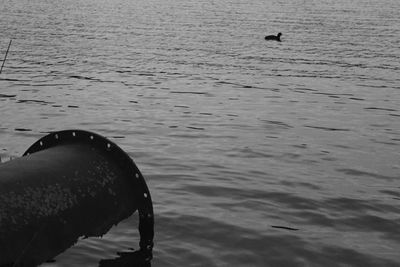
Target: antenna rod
(5, 57)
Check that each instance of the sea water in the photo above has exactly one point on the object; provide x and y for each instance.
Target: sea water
(256, 153)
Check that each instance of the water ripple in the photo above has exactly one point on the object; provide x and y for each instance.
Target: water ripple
(256, 153)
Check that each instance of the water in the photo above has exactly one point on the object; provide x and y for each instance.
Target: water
(256, 153)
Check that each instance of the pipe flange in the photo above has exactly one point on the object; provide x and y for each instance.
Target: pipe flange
(146, 215)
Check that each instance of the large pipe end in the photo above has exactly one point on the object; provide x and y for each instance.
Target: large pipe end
(54, 192)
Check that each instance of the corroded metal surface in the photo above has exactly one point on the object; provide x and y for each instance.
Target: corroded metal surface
(67, 185)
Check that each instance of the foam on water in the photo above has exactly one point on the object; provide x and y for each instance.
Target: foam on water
(256, 153)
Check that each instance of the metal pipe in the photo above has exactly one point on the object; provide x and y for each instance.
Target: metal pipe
(67, 185)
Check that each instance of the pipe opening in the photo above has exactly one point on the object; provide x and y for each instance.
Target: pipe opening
(62, 187)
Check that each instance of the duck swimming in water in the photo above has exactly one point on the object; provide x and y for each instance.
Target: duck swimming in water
(273, 37)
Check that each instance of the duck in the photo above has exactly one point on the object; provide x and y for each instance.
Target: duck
(273, 37)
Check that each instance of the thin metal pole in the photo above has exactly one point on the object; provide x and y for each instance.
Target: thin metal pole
(5, 57)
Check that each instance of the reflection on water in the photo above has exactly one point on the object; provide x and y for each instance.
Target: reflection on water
(134, 259)
(256, 153)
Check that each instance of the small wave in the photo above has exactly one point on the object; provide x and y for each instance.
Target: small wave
(191, 93)
(379, 108)
(284, 227)
(355, 172)
(22, 130)
(327, 128)
(27, 101)
(7, 96)
(195, 128)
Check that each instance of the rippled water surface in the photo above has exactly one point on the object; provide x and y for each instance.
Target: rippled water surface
(256, 153)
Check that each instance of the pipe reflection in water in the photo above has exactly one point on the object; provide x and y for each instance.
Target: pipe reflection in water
(131, 259)
(67, 185)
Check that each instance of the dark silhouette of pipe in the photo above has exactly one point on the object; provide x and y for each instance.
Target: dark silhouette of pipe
(67, 185)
